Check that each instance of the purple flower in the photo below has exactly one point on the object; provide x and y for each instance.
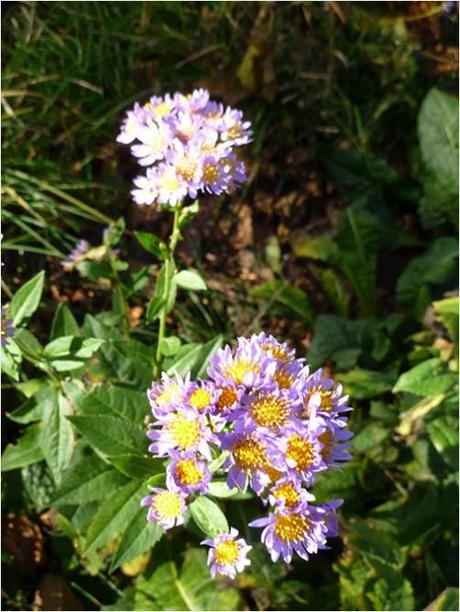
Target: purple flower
(167, 508)
(76, 255)
(202, 396)
(302, 451)
(186, 473)
(252, 456)
(269, 409)
(184, 431)
(335, 441)
(227, 555)
(324, 396)
(7, 328)
(288, 494)
(187, 145)
(302, 531)
(248, 367)
(168, 395)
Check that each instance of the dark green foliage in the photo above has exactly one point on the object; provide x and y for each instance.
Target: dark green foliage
(346, 102)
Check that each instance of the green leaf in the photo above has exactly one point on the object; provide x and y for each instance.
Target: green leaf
(111, 435)
(190, 279)
(169, 346)
(136, 466)
(321, 248)
(114, 515)
(89, 480)
(437, 266)
(443, 434)
(27, 299)
(11, 359)
(220, 490)
(208, 516)
(428, 378)
(115, 400)
(370, 437)
(365, 384)
(64, 323)
(448, 600)
(154, 307)
(152, 243)
(26, 450)
(340, 340)
(70, 352)
(193, 358)
(191, 589)
(391, 591)
(140, 536)
(29, 345)
(57, 438)
(285, 300)
(438, 137)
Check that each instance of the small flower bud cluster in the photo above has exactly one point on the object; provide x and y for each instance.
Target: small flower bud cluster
(275, 426)
(187, 145)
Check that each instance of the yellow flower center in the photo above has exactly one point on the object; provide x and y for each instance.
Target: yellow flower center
(185, 432)
(169, 183)
(300, 451)
(287, 492)
(291, 527)
(326, 400)
(249, 454)
(167, 505)
(239, 368)
(169, 394)
(160, 110)
(270, 411)
(328, 442)
(200, 399)
(283, 379)
(187, 170)
(227, 397)
(278, 352)
(227, 552)
(234, 132)
(210, 173)
(188, 473)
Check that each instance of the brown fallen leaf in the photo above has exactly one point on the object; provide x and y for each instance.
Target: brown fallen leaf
(23, 540)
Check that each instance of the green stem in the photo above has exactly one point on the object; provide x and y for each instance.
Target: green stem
(169, 263)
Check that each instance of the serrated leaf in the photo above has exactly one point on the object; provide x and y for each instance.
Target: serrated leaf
(26, 450)
(114, 515)
(140, 536)
(111, 435)
(190, 279)
(137, 466)
(208, 516)
(27, 299)
(64, 323)
(443, 434)
(11, 359)
(70, 352)
(89, 480)
(57, 437)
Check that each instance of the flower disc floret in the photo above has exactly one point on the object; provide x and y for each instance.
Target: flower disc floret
(165, 507)
(227, 555)
(188, 474)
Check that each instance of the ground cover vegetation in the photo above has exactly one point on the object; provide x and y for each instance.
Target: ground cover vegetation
(341, 241)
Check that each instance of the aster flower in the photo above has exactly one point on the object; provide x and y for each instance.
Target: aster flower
(202, 396)
(302, 451)
(324, 396)
(335, 441)
(248, 366)
(184, 431)
(76, 255)
(288, 494)
(188, 474)
(251, 455)
(302, 531)
(269, 409)
(187, 145)
(168, 395)
(227, 555)
(167, 508)
(7, 327)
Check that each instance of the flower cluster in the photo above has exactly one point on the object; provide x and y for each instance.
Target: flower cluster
(275, 425)
(187, 145)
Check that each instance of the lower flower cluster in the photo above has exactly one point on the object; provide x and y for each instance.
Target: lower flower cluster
(271, 425)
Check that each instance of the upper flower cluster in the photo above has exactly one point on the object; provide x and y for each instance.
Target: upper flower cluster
(187, 144)
(278, 424)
